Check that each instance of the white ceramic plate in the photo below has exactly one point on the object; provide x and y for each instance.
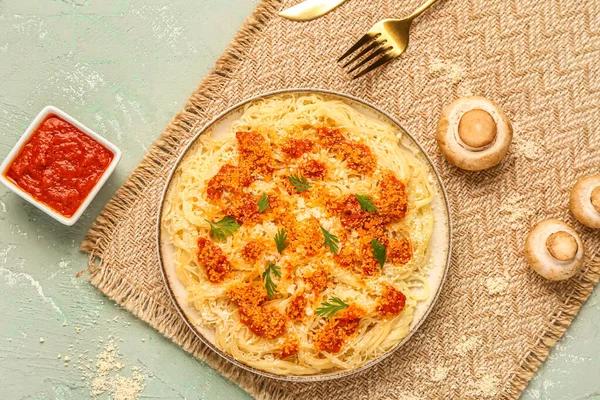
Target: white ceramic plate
(440, 246)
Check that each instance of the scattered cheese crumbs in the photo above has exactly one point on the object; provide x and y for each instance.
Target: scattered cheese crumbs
(496, 285)
(524, 146)
(143, 340)
(530, 150)
(65, 323)
(486, 386)
(106, 380)
(67, 359)
(77, 329)
(515, 210)
(452, 72)
(467, 345)
(10, 339)
(439, 374)
(42, 340)
(59, 356)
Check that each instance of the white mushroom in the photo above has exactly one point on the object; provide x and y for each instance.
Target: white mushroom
(474, 133)
(585, 201)
(554, 250)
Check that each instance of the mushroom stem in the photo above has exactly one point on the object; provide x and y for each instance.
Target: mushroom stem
(562, 246)
(477, 128)
(595, 198)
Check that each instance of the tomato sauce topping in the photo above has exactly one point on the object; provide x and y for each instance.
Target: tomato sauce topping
(399, 252)
(337, 330)
(365, 223)
(247, 296)
(358, 156)
(211, 256)
(243, 207)
(305, 234)
(296, 308)
(393, 203)
(253, 250)
(391, 302)
(278, 206)
(330, 137)
(263, 321)
(290, 347)
(255, 156)
(313, 169)
(295, 148)
(228, 178)
(317, 280)
(59, 165)
(361, 262)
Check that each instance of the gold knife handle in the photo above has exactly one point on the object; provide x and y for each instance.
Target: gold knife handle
(422, 9)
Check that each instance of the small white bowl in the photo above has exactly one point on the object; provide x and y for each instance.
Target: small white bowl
(32, 128)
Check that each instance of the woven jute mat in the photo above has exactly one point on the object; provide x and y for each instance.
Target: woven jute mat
(496, 320)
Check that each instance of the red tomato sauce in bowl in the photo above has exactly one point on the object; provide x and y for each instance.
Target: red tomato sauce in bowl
(59, 165)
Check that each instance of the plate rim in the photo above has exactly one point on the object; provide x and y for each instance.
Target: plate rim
(299, 378)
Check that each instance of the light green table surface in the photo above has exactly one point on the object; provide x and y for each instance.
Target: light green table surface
(124, 68)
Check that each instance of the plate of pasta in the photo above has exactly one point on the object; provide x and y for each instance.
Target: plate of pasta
(304, 235)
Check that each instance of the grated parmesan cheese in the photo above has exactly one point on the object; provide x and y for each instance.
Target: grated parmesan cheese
(486, 386)
(525, 147)
(515, 209)
(454, 73)
(439, 374)
(496, 285)
(466, 345)
(106, 379)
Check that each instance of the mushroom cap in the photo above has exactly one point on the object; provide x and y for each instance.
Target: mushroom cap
(554, 250)
(585, 201)
(474, 133)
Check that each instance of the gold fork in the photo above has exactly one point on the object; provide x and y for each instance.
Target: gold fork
(386, 40)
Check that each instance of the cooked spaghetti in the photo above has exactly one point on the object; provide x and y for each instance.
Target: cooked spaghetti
(301, 235)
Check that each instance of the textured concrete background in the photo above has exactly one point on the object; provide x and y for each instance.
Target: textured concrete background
(124, 68)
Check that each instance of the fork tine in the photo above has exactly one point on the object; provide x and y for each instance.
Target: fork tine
(367, 49)
(361, 42)
(372, 56)
(383, 60)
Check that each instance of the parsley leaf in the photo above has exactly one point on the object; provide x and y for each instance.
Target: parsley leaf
(281, 240)
(299, 183)
(263, 203)
(269, 284)
(221, 229)
(330, 307)
(379, 252)
(331, 241)
(366, 203)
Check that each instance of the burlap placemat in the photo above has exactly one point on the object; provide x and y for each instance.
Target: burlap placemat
(496, 320)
